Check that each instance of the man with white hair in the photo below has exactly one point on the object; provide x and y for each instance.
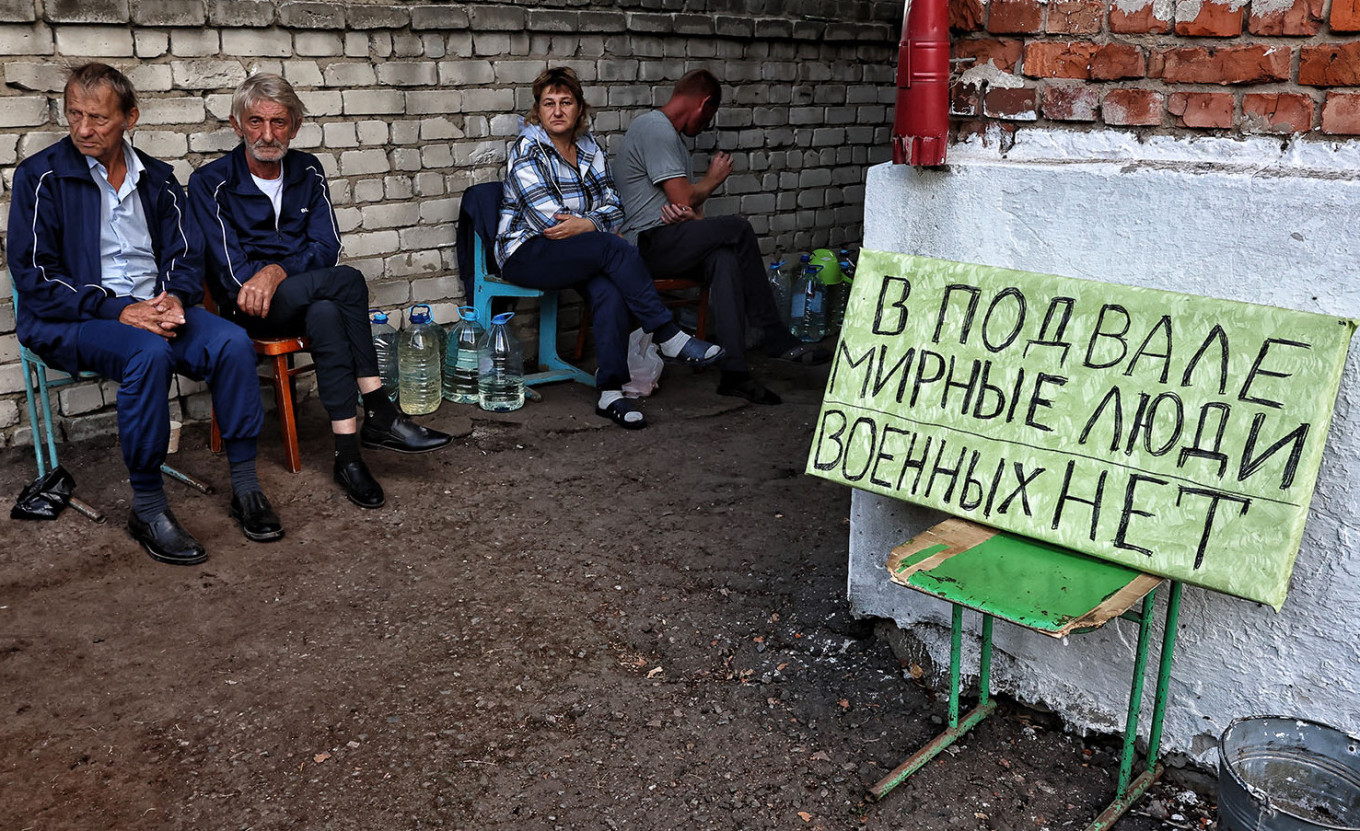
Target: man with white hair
(109, 277)
(273, 256)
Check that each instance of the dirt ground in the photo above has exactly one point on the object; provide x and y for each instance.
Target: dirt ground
(553, 624)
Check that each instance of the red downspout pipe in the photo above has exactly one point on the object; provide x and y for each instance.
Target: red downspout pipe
(921, 124)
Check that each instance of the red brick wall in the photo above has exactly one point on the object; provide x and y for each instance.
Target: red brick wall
(1174, 66)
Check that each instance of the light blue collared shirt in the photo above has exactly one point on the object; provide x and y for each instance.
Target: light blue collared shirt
(126, 260)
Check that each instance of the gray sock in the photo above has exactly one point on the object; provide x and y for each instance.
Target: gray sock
(243, 478)
(147, 505)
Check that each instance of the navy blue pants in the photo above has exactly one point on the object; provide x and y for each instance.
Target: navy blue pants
(610, 273)
(206, 348)
(330, 307)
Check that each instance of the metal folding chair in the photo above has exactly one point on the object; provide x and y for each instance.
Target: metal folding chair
(1051, 590)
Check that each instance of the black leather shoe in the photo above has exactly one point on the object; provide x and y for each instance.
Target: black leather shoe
(166, 540)
(404, 436)
(360, 486)
(257, 517)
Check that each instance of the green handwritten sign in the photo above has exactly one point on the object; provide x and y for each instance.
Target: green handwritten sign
(1174, 434)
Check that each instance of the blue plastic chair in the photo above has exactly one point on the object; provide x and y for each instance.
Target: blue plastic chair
(37, 380)
(487, 287)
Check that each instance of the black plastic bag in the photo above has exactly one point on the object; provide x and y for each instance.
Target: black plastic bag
(45, 497)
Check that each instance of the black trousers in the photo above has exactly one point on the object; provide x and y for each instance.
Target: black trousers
(724, 252)
(330, 307)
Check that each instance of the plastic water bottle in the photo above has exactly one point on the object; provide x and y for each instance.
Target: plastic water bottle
(500, 368)
(841, 298)
(830, 274)
(781, 287)
(461, 356)
(796, 304)
(847, 264)
(418, 363)
(808, 312)
(385, 344)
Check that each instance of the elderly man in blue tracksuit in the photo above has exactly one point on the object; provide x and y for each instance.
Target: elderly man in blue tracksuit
(108, 275)
(273, 253)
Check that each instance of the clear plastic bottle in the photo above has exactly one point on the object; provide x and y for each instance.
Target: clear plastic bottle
(461, 356)
(385, 344)
(830, 275)
(809, 306)
(841, 298)
(781, 286)
(500, 368)
(847, 264)
(796, 301)
(418, 363)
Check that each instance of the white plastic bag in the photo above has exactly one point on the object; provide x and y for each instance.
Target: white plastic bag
(644, 365)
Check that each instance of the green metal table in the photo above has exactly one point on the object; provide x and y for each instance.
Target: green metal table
(1049, 589)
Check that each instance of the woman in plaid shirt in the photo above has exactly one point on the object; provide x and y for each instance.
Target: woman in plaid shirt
(558, 223)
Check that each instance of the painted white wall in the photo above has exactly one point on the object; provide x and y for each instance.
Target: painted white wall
(1250, 221)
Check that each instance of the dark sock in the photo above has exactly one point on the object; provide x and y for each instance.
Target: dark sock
(346, 448)
(779, 340)
(243, 478)
(378, 411)
(665, 331)
(147, 505)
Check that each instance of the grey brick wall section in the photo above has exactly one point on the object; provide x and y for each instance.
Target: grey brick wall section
(312, 16)
(377, 17)
(17, 11)
(86, 11)
(168, 13)
(438, 18)
(240, 12)
(410, 104)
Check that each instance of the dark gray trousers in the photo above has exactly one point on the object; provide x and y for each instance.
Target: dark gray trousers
(722, 251)
(330, 307)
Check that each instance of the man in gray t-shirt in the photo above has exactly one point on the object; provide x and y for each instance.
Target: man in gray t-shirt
(652, 154)
(664, 209)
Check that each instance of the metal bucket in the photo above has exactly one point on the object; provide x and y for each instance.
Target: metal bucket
(1288, 774)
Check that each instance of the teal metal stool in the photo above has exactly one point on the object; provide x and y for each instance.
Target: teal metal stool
(37, 387)
(1048, 589)
(486, 287)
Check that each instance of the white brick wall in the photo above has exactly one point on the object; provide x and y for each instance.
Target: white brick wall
(410, 104)
(94, 41)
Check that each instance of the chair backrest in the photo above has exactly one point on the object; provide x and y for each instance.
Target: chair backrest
(482, 204)
(478, 216)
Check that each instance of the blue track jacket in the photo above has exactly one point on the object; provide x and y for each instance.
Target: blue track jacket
(240, 233)
(53, 247)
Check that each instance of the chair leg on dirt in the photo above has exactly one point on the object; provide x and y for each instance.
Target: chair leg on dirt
(283, 399)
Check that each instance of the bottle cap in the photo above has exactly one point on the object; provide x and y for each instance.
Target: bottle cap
(502, 318)
(775, 266)
(378, 315)
(419, 317)
(467, 313)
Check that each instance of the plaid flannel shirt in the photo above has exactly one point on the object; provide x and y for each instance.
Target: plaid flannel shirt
(540, 183)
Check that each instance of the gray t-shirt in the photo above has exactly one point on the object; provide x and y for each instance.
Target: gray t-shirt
(652, 152)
